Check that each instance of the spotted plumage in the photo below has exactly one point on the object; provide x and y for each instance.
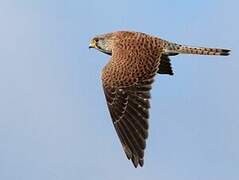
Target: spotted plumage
(127, 80)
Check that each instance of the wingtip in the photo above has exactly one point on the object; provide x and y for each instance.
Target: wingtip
(137, 163)
(134, 163)
(141, 162)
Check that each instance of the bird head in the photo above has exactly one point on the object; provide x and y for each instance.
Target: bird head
(102, 43)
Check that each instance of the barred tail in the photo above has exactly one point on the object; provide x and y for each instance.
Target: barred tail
(173, 49)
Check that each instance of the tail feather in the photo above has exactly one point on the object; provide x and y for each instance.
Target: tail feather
(173, 48)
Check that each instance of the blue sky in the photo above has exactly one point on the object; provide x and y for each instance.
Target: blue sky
(54, 123)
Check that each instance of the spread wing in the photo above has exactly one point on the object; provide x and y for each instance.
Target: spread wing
(129, 110)
(127, 80)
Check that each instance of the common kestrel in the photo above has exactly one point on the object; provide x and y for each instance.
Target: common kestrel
(127, 78)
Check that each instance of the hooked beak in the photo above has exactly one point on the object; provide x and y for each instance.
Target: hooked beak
(92, 44)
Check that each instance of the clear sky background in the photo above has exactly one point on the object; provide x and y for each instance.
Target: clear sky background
(54, 123)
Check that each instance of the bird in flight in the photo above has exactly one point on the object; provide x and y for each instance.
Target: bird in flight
(127, 78)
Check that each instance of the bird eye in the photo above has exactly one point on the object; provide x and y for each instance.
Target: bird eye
(96, 40)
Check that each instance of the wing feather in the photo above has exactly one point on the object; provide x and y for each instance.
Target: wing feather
(129, 110)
